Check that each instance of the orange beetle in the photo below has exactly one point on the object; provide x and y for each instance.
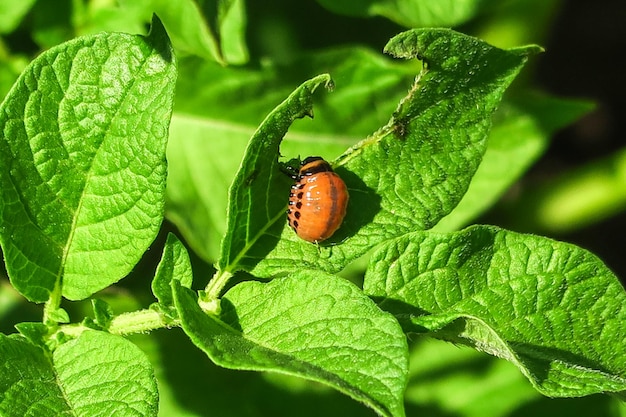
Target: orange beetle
(317, 202)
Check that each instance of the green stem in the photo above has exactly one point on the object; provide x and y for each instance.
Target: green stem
(71, 330)
(216, 285)
(52, 305)
(141, 321)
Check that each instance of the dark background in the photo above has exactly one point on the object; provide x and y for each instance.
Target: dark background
(584, 58)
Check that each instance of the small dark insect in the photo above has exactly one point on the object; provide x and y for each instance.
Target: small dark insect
(250, 178)
(318, 200)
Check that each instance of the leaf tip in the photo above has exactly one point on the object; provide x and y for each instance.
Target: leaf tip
(159, 39)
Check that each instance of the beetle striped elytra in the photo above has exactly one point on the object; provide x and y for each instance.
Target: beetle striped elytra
(318, 200)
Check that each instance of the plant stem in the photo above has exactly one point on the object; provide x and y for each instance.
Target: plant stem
(216, 285)
(52, 305)
(141, 321)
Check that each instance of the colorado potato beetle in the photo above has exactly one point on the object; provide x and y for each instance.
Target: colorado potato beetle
(318, 200)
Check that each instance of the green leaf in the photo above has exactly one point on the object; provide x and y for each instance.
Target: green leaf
(27, 381)
(413, 13)
(82, 166)
(253, 223)
(413, 171)
(102, 374)
(551, 308)
(518, 138)
(174, 265)
(231, 19)
(102, 312)
(212, 30)
(97, 374)
(35, 332)
(59, 315)
(188, 28)
(218, 109)
(311, 325)
(12, 12)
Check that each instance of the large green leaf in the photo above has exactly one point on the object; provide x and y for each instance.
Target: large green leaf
(310, 324)
(81, 378)
(82, 162)
(551, 308)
